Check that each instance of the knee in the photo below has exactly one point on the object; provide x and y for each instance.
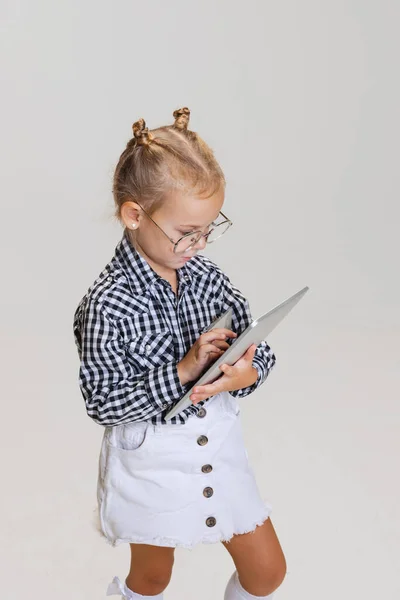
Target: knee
(153, 584)
(272, 575)
(265, 578)
(279, 574)
(150, 582)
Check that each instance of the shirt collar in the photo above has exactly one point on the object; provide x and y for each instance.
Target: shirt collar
(142, 276)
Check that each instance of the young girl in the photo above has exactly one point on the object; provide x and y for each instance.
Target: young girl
(141, 339)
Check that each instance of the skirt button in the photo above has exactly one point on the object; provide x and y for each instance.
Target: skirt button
(202, 440)
(201, 413)
(211, 522)
(206, 468)
(208, 492)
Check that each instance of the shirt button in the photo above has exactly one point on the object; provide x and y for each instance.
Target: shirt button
(165, 405)
(211, 521)
(208, 492)
(148, 348)
(202, 413)
(206, 468)
(202, 440)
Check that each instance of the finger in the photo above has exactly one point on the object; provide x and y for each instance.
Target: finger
(225, 331)
(198, 398)
(206, 349)
(249, 354)
(227, 370)
(218, 334)
(201, 390)
(246, 356)
(208, 390)
(251, 351)
(220, 344)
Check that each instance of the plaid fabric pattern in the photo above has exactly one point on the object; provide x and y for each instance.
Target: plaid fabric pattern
(131, 330)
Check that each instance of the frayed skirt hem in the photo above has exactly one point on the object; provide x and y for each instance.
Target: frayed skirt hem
(188, 545)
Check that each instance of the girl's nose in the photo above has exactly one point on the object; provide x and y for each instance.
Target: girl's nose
(201, 243)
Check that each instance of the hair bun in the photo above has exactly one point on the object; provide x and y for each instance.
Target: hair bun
(141, 133)
(182, 116)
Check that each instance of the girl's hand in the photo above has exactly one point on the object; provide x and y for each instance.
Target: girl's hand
(235, 377)
(207, 348)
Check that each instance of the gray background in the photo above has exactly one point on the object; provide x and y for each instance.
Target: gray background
(300, 102)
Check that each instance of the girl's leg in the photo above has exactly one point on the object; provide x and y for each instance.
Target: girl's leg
(149, 575)
(151, 569)
(260, 564)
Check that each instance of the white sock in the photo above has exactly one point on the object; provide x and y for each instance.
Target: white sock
(117, 587)
(234, 591)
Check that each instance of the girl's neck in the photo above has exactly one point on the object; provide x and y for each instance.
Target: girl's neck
(169, 275)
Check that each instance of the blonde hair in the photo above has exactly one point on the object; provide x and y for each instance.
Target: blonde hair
(158, 161)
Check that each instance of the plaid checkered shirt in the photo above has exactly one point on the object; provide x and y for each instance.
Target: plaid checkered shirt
(131, 330)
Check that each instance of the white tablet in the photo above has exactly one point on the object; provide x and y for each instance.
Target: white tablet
(224, 321)
(255, 333)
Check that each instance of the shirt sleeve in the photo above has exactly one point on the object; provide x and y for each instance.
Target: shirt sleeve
(264, 359)
(114, 392)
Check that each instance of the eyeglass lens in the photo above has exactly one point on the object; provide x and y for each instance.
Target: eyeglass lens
(191, 240)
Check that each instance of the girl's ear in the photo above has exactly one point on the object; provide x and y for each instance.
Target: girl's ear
(130, 213)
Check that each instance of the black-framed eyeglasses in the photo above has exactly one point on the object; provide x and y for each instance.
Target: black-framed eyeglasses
(190, 239)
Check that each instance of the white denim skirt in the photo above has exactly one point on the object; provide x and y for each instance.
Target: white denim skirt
(179, 485)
